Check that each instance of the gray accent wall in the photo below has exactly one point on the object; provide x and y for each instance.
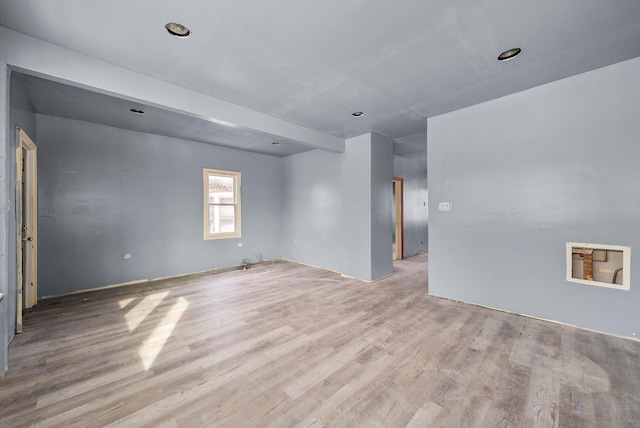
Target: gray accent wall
(415, 218)
(105, 192)
(527, 173)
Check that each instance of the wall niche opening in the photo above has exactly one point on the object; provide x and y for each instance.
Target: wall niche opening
(599, 264)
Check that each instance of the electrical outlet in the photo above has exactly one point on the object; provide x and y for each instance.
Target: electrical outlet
(239, 244)
(126, 256)
(444, 206)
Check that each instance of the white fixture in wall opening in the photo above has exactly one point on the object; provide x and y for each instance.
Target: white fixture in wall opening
(599, 264)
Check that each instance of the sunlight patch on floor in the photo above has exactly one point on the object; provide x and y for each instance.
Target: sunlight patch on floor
(139, 312)
(125, 302)
(152, 346)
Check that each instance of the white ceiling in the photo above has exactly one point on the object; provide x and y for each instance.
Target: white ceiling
(314, 62)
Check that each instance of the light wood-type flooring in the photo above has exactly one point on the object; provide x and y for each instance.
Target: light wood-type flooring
(283, 344)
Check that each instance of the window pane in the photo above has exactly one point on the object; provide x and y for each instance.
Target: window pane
(222, 219)
(227, 219)
(221, 189)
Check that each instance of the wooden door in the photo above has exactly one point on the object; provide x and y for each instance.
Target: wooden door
(27, 215)
(398, 250)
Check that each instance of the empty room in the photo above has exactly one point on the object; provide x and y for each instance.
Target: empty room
(320, 213)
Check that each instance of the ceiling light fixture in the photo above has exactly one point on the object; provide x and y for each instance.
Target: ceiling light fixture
(136, 111)
(509, 54)
(357, 114)
(177, 30)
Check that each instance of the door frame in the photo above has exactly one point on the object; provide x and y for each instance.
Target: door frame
(398, 183)
(27, 233)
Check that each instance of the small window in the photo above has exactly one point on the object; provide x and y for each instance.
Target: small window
(221, 204)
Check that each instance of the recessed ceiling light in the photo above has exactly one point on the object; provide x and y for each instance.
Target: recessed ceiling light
(509, 54)
(136, 111)
(177, 30)
(275, 143)
(358, 114)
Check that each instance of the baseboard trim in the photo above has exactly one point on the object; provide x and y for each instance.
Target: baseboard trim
(87, 290)
(635, 339)
(310, 265)
(142, 281)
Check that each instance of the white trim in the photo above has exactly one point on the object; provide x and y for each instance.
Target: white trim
(88, 290)
(143, 281)
(26, 197)
(237, 180)
(537, 318)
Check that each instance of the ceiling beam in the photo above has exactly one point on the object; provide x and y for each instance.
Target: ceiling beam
(41, 59)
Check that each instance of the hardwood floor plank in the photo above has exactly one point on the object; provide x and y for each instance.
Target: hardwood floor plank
(425, 416)
(543, 396)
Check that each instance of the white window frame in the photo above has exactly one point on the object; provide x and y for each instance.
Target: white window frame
(206, 173)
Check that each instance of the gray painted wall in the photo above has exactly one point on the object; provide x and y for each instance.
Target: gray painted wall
(416, 217)
(104, 192)
(367, 173)
(381, 206)
(312, 209)
(22, 111)
(337, 209)
(356, 202)
(525, 174)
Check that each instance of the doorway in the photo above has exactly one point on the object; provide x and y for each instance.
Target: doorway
(397, 250)
(27, 228)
